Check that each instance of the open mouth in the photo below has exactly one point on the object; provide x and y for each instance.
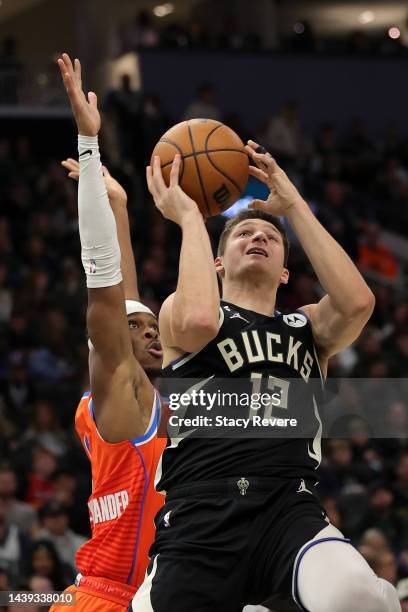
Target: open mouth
(155, 349)
(257, 251)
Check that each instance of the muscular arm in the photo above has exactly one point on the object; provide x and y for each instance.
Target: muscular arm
(189, 317)
(339, 317)
(117, 380)
(115, 376)
(128, 380)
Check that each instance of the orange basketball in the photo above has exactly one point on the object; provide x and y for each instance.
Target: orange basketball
(214, 163)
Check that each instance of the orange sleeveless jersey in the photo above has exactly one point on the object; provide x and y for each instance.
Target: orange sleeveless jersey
(123, 503)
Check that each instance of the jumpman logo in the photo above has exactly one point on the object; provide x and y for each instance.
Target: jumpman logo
(302, 488)
(236, 315)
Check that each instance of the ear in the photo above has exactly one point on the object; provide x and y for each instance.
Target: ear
(219, 267)
(284, 279)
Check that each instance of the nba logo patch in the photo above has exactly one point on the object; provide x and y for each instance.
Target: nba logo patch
(166, 519)
(92, 267)
(295, 319)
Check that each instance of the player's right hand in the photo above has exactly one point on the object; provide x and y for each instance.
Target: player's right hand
(116, 193)
(172, 201)
(85, 111)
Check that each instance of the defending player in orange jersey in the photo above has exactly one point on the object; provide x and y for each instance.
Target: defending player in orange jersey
(117, 420)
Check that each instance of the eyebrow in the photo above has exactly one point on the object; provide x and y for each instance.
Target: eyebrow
(248, 225)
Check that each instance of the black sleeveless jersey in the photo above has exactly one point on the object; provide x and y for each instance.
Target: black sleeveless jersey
(252, 353)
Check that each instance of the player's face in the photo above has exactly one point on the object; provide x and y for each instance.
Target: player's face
(255, 247)
(144, 334)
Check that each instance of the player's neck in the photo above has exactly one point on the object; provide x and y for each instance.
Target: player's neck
(251, 296)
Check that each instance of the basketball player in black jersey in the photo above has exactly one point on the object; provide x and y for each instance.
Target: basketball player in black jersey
(241, 524)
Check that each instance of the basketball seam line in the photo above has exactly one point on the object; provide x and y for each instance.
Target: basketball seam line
(202, 153)
(214, 164)
(181, 153)
(198, 169)
(217, 127)
(237, 187)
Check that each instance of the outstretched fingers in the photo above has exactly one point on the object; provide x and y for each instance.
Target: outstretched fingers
(93, 99)
(71, 84)
(78, 69)
(158, 181)
(261, 175)
(72, 166)
(68, 63)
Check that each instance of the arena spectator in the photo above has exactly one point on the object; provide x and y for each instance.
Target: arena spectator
(385, 566)
(14, 546)
(40, 486)
(17, 390)
(125, 105)
(375, 257)
(204, 105)
(342, 475)
(283, 136)
(382, 515)
(336, 214)
(155, 123)
(398, 424)
(17, 512)
(54, 527)
(71, 489)
(43, 561)
(139, 34)
(375, 540)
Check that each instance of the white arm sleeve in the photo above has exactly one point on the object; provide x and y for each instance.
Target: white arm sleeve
(100, 250)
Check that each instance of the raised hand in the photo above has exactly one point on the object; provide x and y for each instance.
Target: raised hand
(116, 193)
(283, 193)
(85, 111)
(171, 201)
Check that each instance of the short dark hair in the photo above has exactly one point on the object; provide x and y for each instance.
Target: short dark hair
(253, 213)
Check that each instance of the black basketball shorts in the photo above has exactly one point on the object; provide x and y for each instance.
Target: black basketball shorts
(222, 545)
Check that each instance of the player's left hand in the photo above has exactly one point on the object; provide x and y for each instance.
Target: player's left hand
(85, 111)
(116, 193)
(283, 193)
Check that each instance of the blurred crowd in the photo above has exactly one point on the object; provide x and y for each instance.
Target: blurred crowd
(358, 187)
(146, 32)
(227, 34)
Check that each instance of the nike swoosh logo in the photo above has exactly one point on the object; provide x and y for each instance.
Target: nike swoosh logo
(85, 152)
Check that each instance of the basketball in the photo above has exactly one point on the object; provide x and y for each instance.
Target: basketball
(214, 163)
